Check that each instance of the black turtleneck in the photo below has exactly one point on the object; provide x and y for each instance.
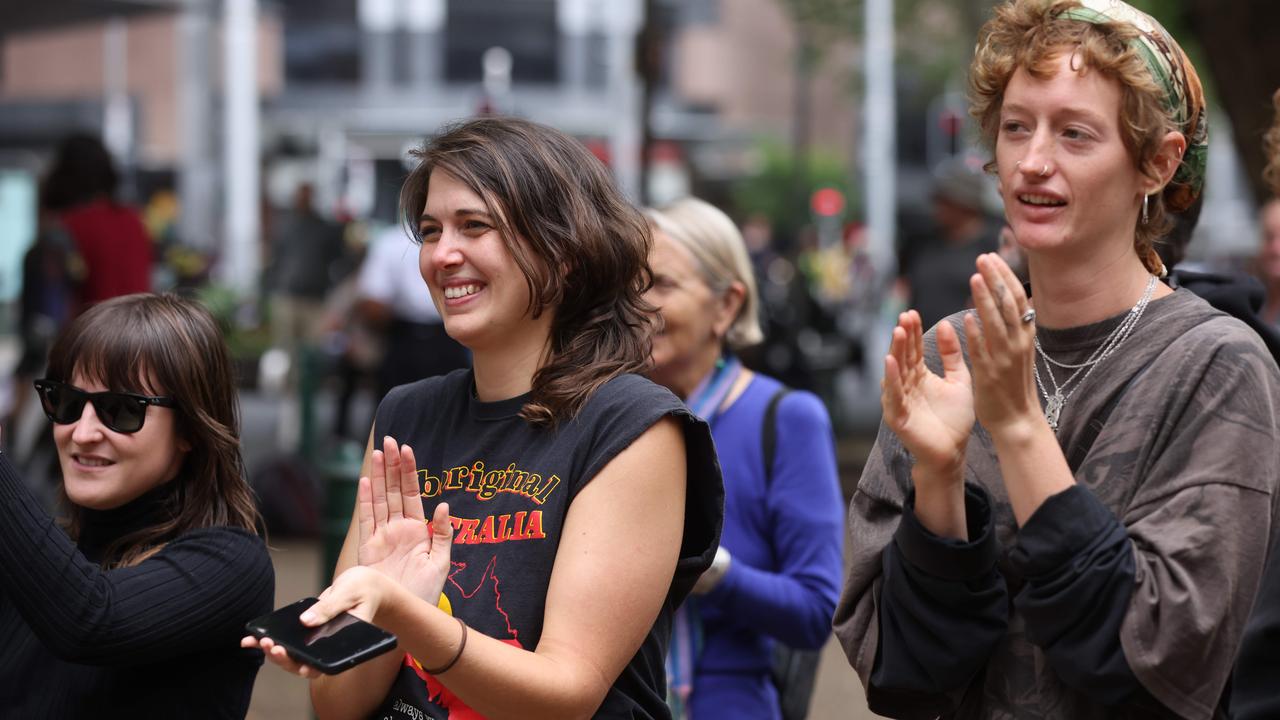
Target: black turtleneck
(158, 639)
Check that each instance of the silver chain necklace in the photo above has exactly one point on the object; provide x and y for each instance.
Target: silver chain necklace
(1054, 403)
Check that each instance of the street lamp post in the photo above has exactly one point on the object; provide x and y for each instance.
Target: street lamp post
(240, 262)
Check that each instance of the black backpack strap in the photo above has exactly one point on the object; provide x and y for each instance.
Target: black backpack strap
(769, 434)
(794, 671)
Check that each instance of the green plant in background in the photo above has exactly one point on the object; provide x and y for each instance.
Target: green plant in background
(769, 191)
(246, 342)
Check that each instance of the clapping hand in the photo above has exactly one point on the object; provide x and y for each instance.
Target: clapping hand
(395, 538)
(932, 415)
(1001, 347)
(399, 554)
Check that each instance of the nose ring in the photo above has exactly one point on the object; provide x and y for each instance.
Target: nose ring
(1044, 172)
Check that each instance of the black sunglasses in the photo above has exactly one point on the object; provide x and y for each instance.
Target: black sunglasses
(120, 411)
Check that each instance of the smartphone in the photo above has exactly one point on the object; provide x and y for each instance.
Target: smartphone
(338, 645)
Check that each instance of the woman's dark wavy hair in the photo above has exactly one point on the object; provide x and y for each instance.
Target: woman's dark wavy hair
(584, 256)
(167, 345)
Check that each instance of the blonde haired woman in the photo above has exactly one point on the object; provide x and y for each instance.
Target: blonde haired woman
(776, 575)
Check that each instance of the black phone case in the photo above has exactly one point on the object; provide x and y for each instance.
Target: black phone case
(355, 642)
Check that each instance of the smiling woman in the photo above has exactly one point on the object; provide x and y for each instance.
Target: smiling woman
(162, 563)
(1032, 538)
(585, 499)
(776, 574)
(473, 277)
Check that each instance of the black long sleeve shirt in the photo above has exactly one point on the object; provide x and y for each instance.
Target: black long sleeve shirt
(1254, 694)
(158, 639)
(947, 599)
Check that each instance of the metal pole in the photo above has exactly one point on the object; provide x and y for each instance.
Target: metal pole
(117, 116)
(879, 151)
(240, 261)
(622, 24)
(197, 174)
(880, 186)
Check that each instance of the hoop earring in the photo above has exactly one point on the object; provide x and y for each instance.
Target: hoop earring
(1144, 208)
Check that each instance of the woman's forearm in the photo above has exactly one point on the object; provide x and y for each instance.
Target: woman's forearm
(496, 679)
(358, 692)
(940, 501)
(1032, 465)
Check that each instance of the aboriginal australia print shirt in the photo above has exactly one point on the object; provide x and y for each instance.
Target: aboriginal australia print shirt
(509, 485)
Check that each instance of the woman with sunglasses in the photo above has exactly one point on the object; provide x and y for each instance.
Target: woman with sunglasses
(1070, 501)
(135, 609)
(573, 502)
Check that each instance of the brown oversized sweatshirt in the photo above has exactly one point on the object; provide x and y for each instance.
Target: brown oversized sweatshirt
(1144, 573)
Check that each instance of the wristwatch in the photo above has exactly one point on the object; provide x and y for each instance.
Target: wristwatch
(714, 574)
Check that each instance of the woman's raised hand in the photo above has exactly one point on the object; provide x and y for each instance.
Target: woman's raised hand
(395, 538)
(1001, 347)
(932, 415)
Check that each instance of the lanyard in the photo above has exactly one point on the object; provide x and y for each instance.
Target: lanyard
(707, 400)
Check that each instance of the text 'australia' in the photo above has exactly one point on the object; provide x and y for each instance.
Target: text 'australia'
(498, 528)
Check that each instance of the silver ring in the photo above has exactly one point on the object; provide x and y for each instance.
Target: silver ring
(1045, 171)
(1029, 316)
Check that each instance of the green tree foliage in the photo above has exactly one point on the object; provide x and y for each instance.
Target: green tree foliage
(769, 190)
(826, 21)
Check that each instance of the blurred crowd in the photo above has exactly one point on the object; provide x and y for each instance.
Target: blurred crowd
(342, 296)
(965, 515)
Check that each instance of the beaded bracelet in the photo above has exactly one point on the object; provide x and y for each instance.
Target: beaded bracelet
(462, 645)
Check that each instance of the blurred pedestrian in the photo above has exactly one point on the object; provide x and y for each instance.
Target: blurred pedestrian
(52, 271)
(305, 250)
(1268, 261)
(938, 277)
(787, 309)
(1065, 485)
(776, 574)
(1253, 686)
(1241, 295)
(134, 609)
(392, 298)
(1011, 253)
(89, 247)
(81, 188)
(573, 502)
(353, 346)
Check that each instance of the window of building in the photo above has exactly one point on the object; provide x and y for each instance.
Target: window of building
(321, 41)
(526, 28)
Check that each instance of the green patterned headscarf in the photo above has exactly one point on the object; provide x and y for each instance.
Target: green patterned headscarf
(1184, 96)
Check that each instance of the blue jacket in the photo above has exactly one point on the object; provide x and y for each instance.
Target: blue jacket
(786, 541)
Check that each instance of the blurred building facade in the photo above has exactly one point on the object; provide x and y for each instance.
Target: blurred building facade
(61, 78)
(342, 89)
(346, 86)
(366, 79)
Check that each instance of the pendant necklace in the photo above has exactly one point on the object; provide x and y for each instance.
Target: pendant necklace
(1054, 403)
